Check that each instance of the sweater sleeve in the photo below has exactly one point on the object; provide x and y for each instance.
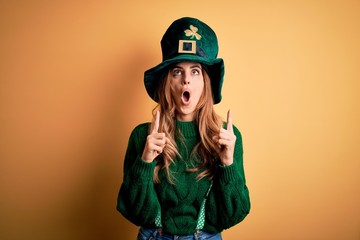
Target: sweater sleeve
(137, 199)
(228, 201)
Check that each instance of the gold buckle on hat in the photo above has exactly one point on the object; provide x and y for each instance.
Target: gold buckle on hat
(187, 46)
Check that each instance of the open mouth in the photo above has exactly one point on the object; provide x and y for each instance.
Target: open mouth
(185, 97)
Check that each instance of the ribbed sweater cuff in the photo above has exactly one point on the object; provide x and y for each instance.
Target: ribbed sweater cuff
(143, 169)
(228, 173)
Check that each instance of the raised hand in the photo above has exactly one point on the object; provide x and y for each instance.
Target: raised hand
(226, 142)
(155, 141)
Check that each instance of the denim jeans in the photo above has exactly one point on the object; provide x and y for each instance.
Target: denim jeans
(153, 234)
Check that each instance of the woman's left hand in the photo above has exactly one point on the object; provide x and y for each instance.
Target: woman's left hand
(226, 142)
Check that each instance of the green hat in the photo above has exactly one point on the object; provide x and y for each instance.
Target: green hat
(188, 40)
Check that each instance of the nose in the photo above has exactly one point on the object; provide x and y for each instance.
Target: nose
(186, 79)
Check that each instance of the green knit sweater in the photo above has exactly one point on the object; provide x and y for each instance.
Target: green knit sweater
(140, 198)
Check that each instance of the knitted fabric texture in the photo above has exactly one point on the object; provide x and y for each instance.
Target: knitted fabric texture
(140, 199)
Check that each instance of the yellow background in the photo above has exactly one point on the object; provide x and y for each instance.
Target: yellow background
(71, 91)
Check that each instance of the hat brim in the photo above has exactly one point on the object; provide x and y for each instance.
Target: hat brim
(215, 69)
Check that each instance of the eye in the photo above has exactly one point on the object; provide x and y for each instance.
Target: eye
(195, 71)
(176, 72)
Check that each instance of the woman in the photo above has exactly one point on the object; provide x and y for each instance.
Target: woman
(183, 173)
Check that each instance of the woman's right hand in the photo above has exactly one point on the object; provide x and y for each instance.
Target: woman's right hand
(155, 141)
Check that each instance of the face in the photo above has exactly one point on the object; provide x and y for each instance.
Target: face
(186, 84)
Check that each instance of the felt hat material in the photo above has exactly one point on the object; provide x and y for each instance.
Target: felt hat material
(188, 40)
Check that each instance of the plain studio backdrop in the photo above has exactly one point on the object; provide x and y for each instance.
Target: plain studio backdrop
(71, 91)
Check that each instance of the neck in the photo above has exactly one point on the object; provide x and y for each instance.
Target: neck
(185, 117)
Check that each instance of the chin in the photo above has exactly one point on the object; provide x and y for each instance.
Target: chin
(187, 110)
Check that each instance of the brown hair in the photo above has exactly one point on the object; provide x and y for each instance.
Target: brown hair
(209, 124)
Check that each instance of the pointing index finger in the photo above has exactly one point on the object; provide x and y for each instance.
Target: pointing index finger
(157, 122)
(229, 122)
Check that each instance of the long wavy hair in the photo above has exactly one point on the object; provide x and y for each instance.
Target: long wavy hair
(208, 122)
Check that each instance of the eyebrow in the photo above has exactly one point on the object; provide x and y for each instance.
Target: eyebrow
(195, 65)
